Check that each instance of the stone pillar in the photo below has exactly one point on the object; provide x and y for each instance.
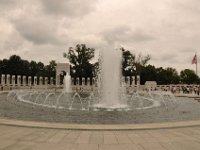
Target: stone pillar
(46, 80)
(123, 79)
(77, 81)
(29, 81)
(83, 81)
(93, 81)
(13, 80)
(19, 80)
(51, 81)
(86, 81)
(72, 81)
(35, 81)
(40, 80)
(3, 79)
(24, 81)
(138, 80)
(57, 79)
(133, 80)
(8, 79)
(128, 81)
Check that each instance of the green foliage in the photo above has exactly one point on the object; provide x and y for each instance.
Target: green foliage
(17, 66)
(167, 76)
(160, 75)
(188, 76)
(132, 64)
(128, 63)
(148, 73)
(80, 58)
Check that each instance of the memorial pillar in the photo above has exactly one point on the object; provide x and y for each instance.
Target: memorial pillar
(8, 79)
(83, 81)
(24, 81)
(57, 79)
(94, 81)
(13, 80)
(3, 79)
(133, 80)
(51, 81)
(138, 80)
(35, 81)
(40, 80)
(72, 81)
(77, 81)
(29, 80)
(128, 81)
(46, 80)
(19, 80)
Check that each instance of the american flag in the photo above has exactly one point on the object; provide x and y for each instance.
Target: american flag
(194, 60)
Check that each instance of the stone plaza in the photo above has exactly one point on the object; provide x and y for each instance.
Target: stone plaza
(19, 135)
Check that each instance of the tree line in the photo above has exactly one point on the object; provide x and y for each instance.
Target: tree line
(83, 65)
(15, 65)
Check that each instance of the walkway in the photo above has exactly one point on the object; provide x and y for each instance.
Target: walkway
(28, 138)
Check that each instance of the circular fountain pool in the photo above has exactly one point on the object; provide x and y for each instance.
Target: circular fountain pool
(93, 101)
(83, 108)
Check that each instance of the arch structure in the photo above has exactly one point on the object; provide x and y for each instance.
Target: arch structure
(60, 69)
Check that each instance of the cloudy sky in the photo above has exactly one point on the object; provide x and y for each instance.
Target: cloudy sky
(168, 30)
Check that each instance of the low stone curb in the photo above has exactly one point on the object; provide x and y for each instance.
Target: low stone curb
(93, 127)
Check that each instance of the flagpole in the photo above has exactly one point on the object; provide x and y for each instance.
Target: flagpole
(196, 65)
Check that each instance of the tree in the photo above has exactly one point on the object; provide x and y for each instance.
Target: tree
(51, 69)
(128, 63)
(33, 68)
(80, 58)
(172, 76)
(132, 64)
(148, 73)
(189, 77)
(14, 64)
(140, 62)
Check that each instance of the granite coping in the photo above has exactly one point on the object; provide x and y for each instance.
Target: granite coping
(98, 127)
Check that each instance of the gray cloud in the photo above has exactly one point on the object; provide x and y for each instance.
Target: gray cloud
(126, 34)
(14, 42)
(168, 30)
(70, 8)
(189, 6)
(37, 30)
(187, 50)
(5, 4)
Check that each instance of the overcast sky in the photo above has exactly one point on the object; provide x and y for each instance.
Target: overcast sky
(41, 30)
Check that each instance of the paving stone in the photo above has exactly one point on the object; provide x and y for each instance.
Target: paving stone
(58, 136)
(120, 147)
(52, 146)
(71, 137)
(96, 137)
(152, 146)
(87, 147)
(84, 137)
(22, 138)
(123, 138)
(110, 138)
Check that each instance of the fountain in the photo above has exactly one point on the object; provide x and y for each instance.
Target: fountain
(67, 84)
(111, 94)
(109, 103)
(110, 85)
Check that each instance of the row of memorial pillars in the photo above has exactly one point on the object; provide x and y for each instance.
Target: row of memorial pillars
(131, 80)
(92, 81)
(83, 81)
(25, 80)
